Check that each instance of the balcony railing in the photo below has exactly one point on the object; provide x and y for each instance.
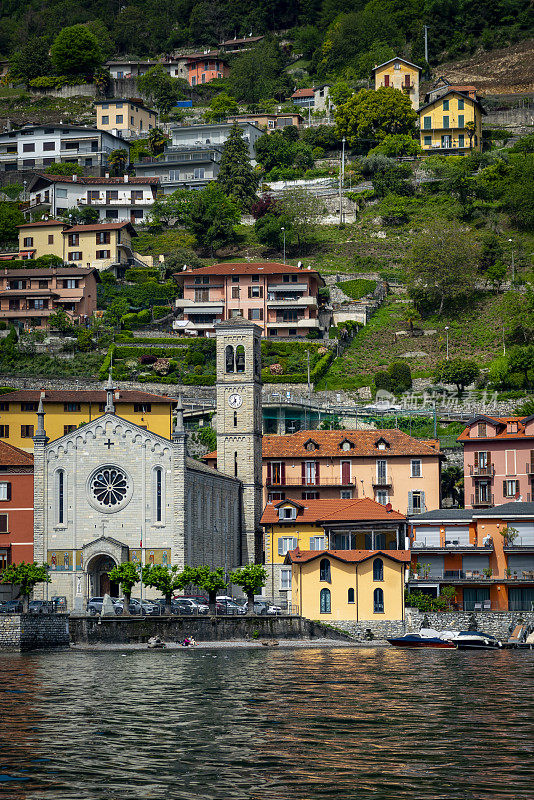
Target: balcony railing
(454, 575)
(311, 483)
(482, 501)
(416, 509)
(529, 470)
(486, 471)
(382, 480)
(452, 544)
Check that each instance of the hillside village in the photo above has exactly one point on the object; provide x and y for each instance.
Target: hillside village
(285, 241)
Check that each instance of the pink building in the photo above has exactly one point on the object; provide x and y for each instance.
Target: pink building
(281, 299)
(498, 460)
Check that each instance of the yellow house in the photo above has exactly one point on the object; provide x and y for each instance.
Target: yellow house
(124, 115)
(98, 246)
(397, 73)
(317, 525)
(350, 585)
(67, 410)
(451, 123)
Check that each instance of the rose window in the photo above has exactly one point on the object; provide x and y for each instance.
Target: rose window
(109, 487)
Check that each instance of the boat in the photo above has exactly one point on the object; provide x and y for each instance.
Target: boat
(427, 637)
(473, 640)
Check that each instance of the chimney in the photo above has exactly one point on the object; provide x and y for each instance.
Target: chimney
(107, 174)
(126, 177)
(74, 178)
(43, 395)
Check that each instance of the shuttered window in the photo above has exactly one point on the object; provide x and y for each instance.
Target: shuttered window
(457, 535)
(526, 533)
(475, 563)
(429, 537)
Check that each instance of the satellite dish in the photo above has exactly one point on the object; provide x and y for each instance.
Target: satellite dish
(299, 265)
(389, 507)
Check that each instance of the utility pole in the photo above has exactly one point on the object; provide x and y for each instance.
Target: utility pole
(341, 176)
(309, 383)
(425, 28)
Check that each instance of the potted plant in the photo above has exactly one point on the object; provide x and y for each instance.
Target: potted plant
(508, 573)
(487, 572)
(509, 535)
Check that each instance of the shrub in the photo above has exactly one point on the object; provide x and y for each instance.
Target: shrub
(144, 316)
(139, 275)
(160, 311)
(148, 359)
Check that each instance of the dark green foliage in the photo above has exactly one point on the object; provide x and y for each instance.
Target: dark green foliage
(258, 73)
(397, 379)
(75, 51)
(236, 174)
(459, 371)
(164, 91)
(10, 217)
(212, 217)
(31, 61)
(64, 168)
(357, 288)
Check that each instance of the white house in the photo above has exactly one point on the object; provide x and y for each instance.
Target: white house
(214, 135)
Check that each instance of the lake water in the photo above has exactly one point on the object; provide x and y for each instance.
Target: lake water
(277, 724)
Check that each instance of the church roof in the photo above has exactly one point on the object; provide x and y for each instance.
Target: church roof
(198, 466)
(85, 396)
(11, 456)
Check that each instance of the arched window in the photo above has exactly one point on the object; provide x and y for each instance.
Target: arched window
(60, 497)
(240, 358)
(378, 569)
(325, 601)
(158, 494)
(229, 358)
(351, 595)
(324, 570)
(378, 601)
(380, 541)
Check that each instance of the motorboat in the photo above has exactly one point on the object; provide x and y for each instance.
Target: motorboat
(427, 637)
(472, 640)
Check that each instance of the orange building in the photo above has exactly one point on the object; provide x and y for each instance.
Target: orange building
(16, 505)
(206, 67)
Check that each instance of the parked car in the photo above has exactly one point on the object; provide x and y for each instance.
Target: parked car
(11, 607)
(230, 608)
(40, 607)
(146, 608)
(177, 607)
(94, 605)
(198, 598)
(265, 607)
(194, 605)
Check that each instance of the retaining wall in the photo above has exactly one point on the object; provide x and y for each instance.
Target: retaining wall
(133, 630)
(19, 632)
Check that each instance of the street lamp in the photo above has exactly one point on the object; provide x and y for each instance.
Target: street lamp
(284, 232)
(513, 265)
(447, 332)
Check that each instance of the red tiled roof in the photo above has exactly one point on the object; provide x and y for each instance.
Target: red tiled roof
(91, 180)
(361, 510)
(247, 268)
(501, 433)
(84, 396)
(43, 272)
(350, 556)
(11, 456)
(105, 226)
(43, 223)
(304, 93)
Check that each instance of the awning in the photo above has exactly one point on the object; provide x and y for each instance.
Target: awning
(204, 310)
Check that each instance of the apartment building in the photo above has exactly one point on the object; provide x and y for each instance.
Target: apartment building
(498, 460)
(35, 147)
(125, 118)
(213, 135)
(397, 73)
(29, 296)
(182, 167)
(451, 123)
(16, 505)
(116, 199)
(66, 410)
(269, 122)
(206, 67)
(487, 555)
(281, 299)
(132, 68)
(97, 246)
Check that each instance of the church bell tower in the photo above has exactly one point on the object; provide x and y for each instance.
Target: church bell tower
(239, 422)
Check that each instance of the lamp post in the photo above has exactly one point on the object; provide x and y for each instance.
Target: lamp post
(284, 232)
(447, 332)
(513, 265)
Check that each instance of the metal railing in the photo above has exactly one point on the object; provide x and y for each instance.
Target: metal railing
(382, 480)
(477, 500)
(311, 483)
(478, 471)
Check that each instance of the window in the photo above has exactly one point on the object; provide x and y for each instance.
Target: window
(119, 119)
(350, 595)
(324, 570)
(285, 544)
(17, 284)
(28, 162)
(28, 241)
(105, 119)
(26, 431)
(416, 468)
(61, 193)
(461, 140)
(68, 429)
(346, 494)
(60, 482)
(235, 278)
(310, 495)
(510, 488)
(28, 147)
(4, 431)
(482, 429)
(378, 569)
(50, 240)
(255, 313)
(158, 516)
(229, 358)
(103, 237)
(427, 141)
(202, 295)
(49, 146)
(460, 104)
(445, 122)
(285, 580)
(445, 105)
(416, 502)
(38, 303)
(378, 601)
(240, 358)
(317, 543)
(407, 80)
(74, 256)
(103, 254)
(72, 407)
(198, 173)
(255, 291)
(427, 123)
(310, 473)
(5, 407)
(48, 161)
(381, 471)
(325, 601)
(460, 120)
(118, 105)
(235, 292)
(386, 80)
(70, 283)
(74, 239)
(276, 497)
(142, 408)
(287, 513)
(29, 406)
(5, 491)
(3, 523)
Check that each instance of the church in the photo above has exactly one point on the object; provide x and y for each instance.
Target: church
(111, 491)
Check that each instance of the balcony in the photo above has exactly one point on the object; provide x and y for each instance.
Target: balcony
(486, 471)
(484, 501)
(454, 575)
(292, 302)
(413, 510)
(120, 201)
(322, 482)
(451, 545)
(529, 470)
(287, 287)
(382, 481)
(301, 323)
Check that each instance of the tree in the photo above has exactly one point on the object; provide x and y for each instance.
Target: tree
(26, 576)
(12, 190)
(372, 115)
(173, 206)
(303, 211)
(491, 250)
(115, 311)
(60, 321)
(452, 484)
(81, 216)
(31, 61)
(251, 578)
(496, 274)
(441, 268)
(64, 168)
(459, 371)
(10, 217)
(212, 581)
(75, 51)
(398, 144)
(470, 127)
(518, 200)
(259, 73)
(521, 359)
(117, 160)
(127, 574)
(340, 92)
(157, 141)
(221, 106)
(167, 580)
(236, 176)
(274, 150)
(164, 91)
(212, 216)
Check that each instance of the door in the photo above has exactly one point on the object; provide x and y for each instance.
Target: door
(310, 473)
(345, 473)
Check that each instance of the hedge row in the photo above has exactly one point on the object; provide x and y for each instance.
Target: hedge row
(301, 377)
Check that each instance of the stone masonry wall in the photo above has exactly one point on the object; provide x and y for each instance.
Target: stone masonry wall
(19, 632)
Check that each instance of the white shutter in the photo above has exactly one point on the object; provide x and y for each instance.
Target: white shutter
(457, 533)
(430, 537)
(526, 533)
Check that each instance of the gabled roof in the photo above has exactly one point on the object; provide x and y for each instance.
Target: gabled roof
(11, 456)
(500, 424)
(292, 445)
(397, 58)
(463, 95)
(105, 226)
(244, 40)
(348, 556)
(43, 223)
(84, 396)
(318, 511)
(247, 268)
(304, 93)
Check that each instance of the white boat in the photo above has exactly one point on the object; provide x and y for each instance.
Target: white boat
(471, 640)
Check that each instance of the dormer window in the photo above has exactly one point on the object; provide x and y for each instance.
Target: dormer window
(382, 444)
(311, 445)
(512, 427)
(346, 444)
(287, 513)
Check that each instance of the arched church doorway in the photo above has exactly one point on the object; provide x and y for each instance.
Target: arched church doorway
(99, 581)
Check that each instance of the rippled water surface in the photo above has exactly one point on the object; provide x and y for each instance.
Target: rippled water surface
(267, 725)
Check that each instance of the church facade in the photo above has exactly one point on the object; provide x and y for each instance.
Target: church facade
(111, 491)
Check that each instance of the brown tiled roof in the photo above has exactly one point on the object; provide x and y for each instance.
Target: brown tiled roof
(43, 223)
(241, 41)
(292, 445)
(91, 180)
(303, 93)
(350, 556)
(361, 510)
(105, 226)
(11, 456)
(247, 268)
(501, 433)
(84, 396)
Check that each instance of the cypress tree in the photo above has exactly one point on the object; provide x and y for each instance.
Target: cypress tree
(236, 175)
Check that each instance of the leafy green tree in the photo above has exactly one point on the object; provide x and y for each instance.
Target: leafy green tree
(221, 106)
(127, 574)
(518, 311)
(60, 321)
(31, 60)
(84, 340)
(521, 359)
(459, 371)
(49, 260)
(258, 74)
(519, 197)
(340, 92)
(303, 211)
(372, 115)
(166, 580)
(452, 484)
(12, 190)
(251, 578)
(378, 53)
(496, 275)
(118, 160)
(10, 217)
(491, 250)
(274, 150)
(75, 51)
(163, 90)
(115, 311)
(157, 141)
(398, 144)
(441, 268)
(26, 576)
(236, 176)
(270, 228)
(81, 216)
(105, 42)
(64, 168)
(308, 39)
(524, 145)
(173, 206)
(212, 217)
(212, 581)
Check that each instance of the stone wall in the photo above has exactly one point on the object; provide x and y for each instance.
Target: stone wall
(103, 630)
(19, 632)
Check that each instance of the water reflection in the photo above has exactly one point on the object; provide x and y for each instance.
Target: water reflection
(267, 725)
